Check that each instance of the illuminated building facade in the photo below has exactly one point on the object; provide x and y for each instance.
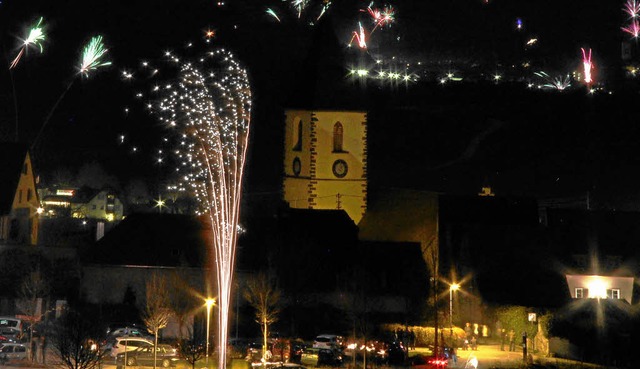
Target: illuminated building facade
(18, 196)
(600, 287)
(83, 204)
(325, 160)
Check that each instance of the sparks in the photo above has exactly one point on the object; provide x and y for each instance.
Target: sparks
(633, 29)
(92, 56)
(559, 83)
(36, 37)
(380, 17)
(207, 110)
(632, 8)
(588, 66)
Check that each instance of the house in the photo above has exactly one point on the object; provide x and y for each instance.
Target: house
(19, 205)
(82, 203)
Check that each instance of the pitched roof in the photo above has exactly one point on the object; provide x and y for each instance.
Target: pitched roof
(151, 239)
(12, 157)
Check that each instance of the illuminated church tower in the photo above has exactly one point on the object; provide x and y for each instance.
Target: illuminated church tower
(325, 160)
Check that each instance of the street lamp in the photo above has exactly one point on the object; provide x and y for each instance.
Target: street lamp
(453, 287)
(209, 302)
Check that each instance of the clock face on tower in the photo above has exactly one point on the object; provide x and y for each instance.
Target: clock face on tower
(340, 168)
(297, 166)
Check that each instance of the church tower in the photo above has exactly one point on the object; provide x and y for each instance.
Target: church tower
(325, 160)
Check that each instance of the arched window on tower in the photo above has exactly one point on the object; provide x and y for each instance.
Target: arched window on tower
(337, 137)
(298, 136)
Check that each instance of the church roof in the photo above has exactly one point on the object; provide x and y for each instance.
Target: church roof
(12, 157)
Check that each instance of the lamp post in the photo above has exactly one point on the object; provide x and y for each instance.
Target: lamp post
(453, 287)
(209, 302)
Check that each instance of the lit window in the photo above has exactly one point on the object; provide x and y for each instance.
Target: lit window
(298, 136)
(613, 293)
(581, 293)
(338, 132)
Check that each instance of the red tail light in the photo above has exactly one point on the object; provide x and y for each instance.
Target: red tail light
(438, 362)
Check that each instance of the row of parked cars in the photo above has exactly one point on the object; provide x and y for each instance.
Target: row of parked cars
(132, 346)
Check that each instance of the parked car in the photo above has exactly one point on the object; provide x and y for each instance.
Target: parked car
(166, 356)
(428, 362)
(321, 357)
(127, 331)
(127, 343)
(13, 351)
(328, 341)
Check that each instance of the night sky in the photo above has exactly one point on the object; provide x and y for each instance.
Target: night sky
(443, 138)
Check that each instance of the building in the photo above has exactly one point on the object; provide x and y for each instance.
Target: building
(600, 287)
(82, 203)
(325, 160)
(18, 196)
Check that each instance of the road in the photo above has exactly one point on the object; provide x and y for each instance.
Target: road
(489, 356)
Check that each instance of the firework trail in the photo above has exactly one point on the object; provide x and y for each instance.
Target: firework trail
(325, 6)
(559, 83)
(36, 37)
(360, 37)
(273, 14)
(632, 8)
(207, 108)
(299, 6)
(91, 59)
(588, 66)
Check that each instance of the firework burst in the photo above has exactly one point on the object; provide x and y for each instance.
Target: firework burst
(207, 109)
(35, 38)
(91, 59)
(633, 29)
(92, 56)
(632, 8)
(380, 17)
(559, 83)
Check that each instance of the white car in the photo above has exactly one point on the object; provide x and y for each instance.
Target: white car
(328, 341)
(129, 344)
(9, 351)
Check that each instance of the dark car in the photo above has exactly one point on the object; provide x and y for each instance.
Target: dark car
(428, 362)
(167, 356)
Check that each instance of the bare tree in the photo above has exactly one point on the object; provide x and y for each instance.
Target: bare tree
(156, 312)
(191, 352)
(32, 290)
(263, 295)
(74, 342)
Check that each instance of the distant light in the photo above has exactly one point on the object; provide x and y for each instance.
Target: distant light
(454, 287)
(597, 289)
(40, 210)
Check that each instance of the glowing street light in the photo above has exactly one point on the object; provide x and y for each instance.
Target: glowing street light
(210, 302)
(453, 287)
